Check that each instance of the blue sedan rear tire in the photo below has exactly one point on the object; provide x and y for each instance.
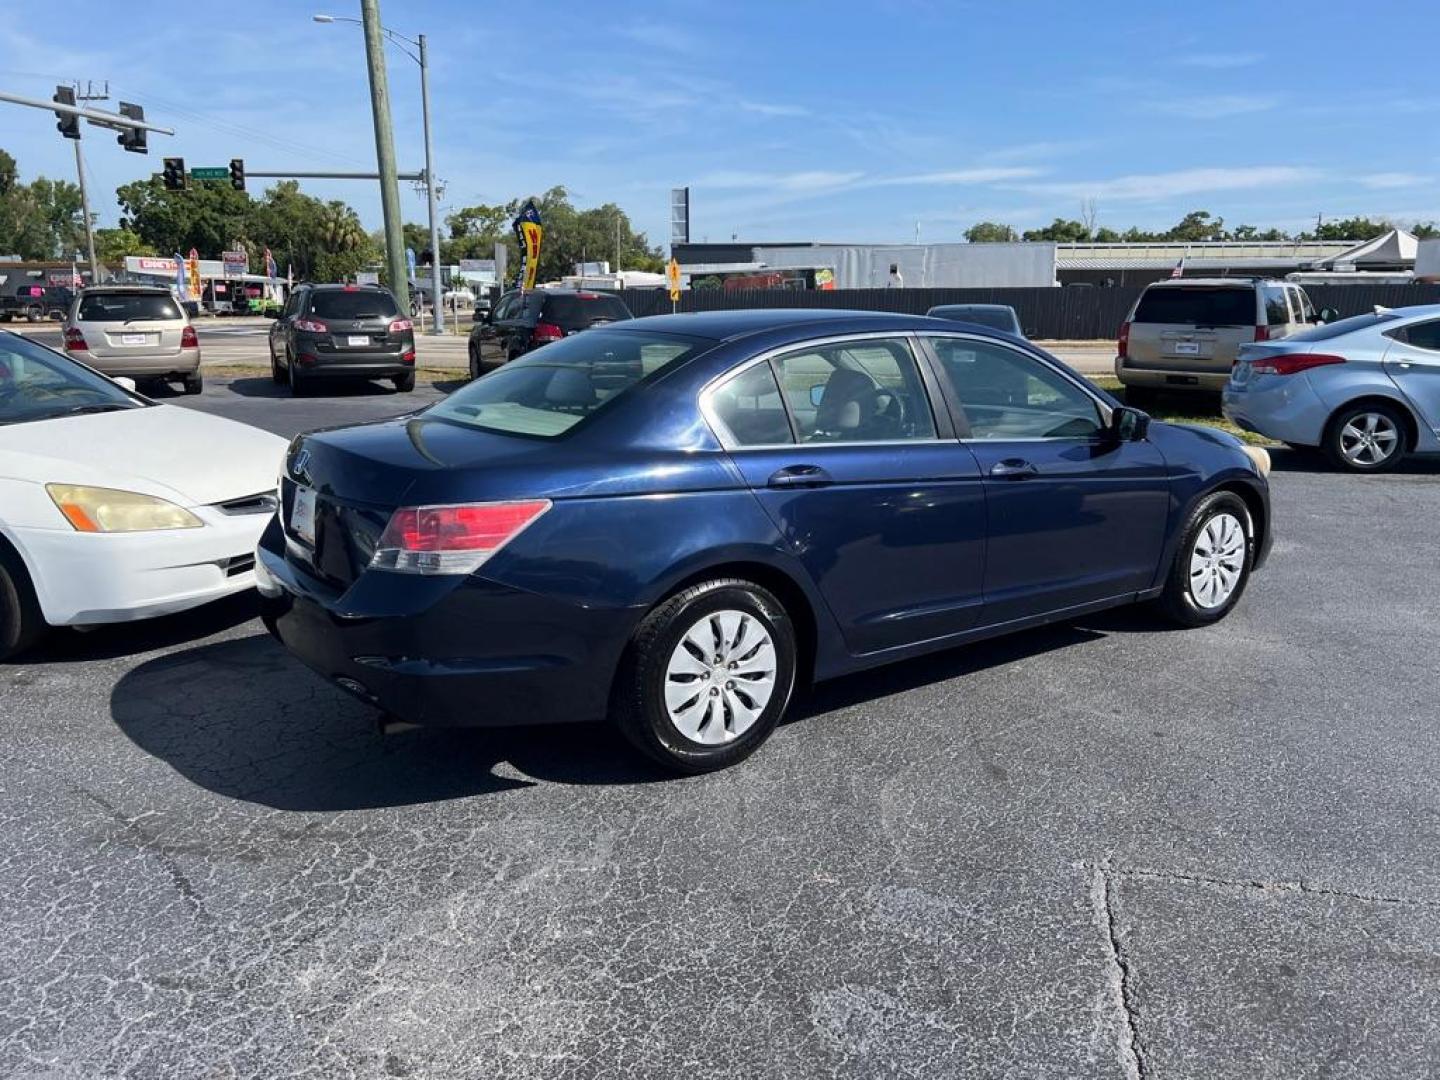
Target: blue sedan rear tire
(707, 676)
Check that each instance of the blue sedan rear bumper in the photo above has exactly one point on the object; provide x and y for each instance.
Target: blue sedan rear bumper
(1283, 407)
(466, 653)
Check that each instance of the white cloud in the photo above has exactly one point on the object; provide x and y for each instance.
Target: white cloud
(1216, 106)
(768, 108)
(990, 175)
(1219, 60)
(813, 180)
(660, 36)
(1158, 186)
(1387, 180)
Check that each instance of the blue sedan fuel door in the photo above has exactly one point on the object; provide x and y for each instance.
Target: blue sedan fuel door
(1076, 516)
(886, 516)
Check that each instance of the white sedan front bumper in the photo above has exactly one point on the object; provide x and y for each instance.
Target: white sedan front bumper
(86, 578)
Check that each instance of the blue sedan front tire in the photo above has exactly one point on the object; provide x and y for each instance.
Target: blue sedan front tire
(1212, 562)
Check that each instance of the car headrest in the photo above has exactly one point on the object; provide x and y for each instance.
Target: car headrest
(847, 401)
(570, 386)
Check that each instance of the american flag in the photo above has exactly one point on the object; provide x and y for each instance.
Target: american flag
(270, 269)
(1179, 270)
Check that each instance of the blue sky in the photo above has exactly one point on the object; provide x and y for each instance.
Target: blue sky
(829, 121)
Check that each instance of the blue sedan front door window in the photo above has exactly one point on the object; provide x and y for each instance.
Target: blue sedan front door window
(1076, 517)
(888, 519)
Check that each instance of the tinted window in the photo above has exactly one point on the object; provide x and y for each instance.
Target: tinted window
(127, 307)
(356, 304)
(1006, 394)
(1197, 307)
(997, 318)
(749, 406)
(1425, 335)
(550, 390)
(1277, 311)
(859, 391)
(576, 312)
(1341, 326)
(37, 384)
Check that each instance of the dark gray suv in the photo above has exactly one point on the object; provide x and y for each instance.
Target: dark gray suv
(342, 331)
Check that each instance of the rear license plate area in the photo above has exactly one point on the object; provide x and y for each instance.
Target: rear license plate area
(1185, 348)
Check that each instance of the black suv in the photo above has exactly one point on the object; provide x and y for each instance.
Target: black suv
(35, 302)
(524, 321)
(354, 331)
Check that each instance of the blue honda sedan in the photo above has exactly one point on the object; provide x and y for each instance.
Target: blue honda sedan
(675, 521)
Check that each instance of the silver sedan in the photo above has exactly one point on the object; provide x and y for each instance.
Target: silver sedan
(1365, 390)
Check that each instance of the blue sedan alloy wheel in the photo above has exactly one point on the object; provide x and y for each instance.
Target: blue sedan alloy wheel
(1213, 562)
(707, 676)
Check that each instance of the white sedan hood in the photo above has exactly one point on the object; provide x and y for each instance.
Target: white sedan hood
(176, 453)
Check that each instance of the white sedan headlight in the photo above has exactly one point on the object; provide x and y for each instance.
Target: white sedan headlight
(106, 510)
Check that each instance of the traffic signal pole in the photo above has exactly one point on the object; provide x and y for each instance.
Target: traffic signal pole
(85, 209)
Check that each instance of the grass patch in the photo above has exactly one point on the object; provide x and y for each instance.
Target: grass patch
(1192, 408)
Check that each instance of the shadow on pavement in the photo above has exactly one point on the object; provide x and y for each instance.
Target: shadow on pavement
(1288, 459)
(66, 646)
(265, 387)
(245, 720)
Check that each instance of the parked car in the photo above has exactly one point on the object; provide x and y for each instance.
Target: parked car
(114, 507)
(34, 303)
(1184, 334)
(341, 331)
(525, 321)
(137, 331)
(675, 520)
(1365, 390)
(995, 316)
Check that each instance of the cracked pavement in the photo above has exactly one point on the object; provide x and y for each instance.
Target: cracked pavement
(1098, 850)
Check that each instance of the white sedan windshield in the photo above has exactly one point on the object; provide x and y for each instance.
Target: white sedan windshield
(37, 383)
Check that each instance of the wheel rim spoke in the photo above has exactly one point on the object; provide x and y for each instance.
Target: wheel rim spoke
(721, 676)
(1217, 560)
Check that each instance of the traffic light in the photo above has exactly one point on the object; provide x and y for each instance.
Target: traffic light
(237, 173)
(174, 174)
(133, 139)
(69, 124)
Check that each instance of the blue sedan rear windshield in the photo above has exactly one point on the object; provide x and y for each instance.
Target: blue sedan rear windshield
(547, 392)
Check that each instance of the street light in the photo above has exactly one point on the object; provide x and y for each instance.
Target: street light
(437, 322)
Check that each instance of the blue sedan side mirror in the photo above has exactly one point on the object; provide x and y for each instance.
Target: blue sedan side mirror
(1129, 425)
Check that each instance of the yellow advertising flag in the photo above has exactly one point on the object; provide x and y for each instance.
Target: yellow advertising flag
(533, 232)
(672, 273)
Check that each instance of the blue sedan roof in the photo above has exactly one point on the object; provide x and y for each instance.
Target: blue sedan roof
(727, 325)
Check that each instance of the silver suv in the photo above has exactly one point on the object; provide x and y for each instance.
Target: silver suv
(136, 330)
(1185, 334)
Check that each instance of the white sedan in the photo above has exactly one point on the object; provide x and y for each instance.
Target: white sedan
(114, 507)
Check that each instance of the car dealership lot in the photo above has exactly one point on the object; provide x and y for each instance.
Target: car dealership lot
(1101, 849)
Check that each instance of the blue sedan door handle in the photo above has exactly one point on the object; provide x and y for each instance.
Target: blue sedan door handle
(799, 476)
(1013, 469)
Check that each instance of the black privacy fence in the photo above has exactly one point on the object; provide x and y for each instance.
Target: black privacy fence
(1067, 313)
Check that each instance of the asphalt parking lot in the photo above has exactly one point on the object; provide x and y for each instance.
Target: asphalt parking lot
(1102, 849)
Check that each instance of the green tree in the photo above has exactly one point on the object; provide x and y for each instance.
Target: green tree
(990, 232)
(1197, 225)
(112, 245)
(1425, 230)
(1355, 228)
(1061, 231)
(207, 217)
(39, 220)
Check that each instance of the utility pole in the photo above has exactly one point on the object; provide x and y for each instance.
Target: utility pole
(617, 240)
(385, 154)
(80, 99)
(437, 317)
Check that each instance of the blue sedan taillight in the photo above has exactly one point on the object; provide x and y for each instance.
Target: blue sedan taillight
(451, 539)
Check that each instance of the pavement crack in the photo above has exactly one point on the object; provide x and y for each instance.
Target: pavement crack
(147, 845)
(1262, 885)
(1118, 978)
